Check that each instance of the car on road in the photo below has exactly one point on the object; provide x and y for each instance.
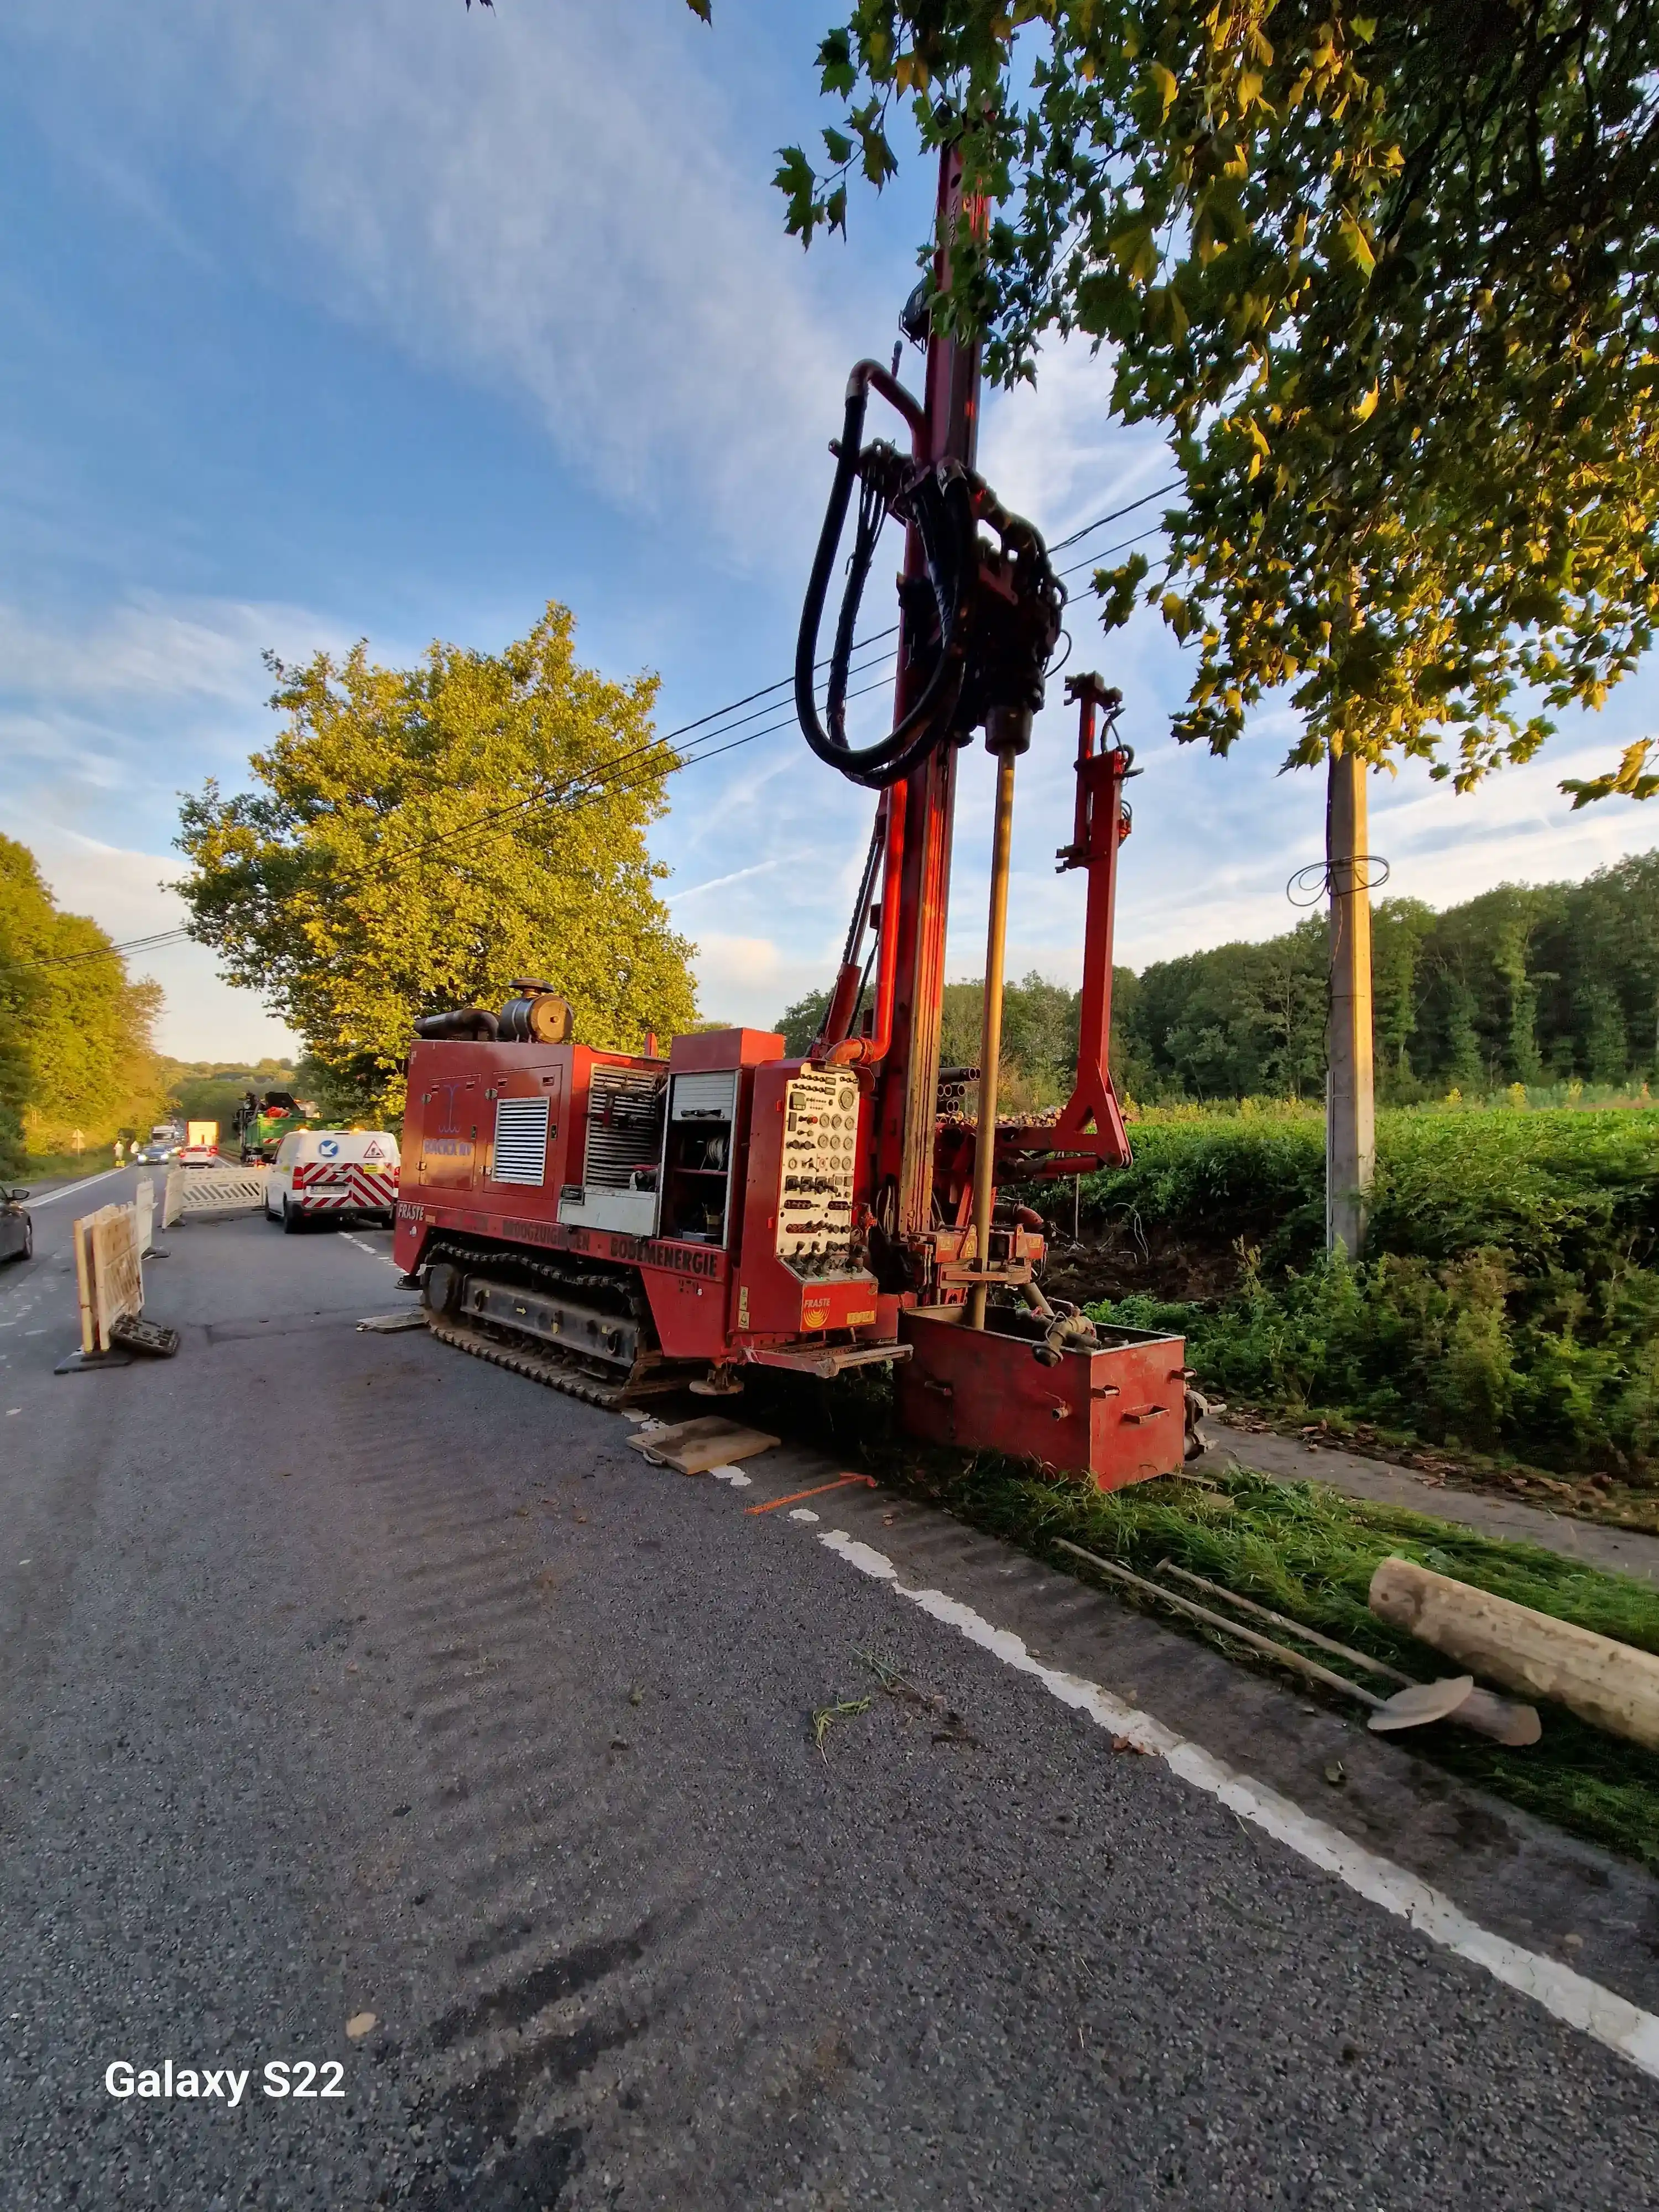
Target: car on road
(16, 1225)
(198, 1156)
(342, 1174)
(155, 1154)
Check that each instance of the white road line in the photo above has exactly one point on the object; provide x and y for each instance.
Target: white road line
(347, 1237)
(70, 1188)
(1572, 1998)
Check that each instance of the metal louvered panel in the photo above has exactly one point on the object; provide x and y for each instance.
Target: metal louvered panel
(625, 1127)
(705, 1097)
(521, 1140)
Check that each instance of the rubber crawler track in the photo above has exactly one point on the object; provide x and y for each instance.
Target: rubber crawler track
(542, 1363)
(539, 1366)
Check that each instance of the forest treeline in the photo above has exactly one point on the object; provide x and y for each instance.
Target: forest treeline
(76, 1050)
(1531, 984)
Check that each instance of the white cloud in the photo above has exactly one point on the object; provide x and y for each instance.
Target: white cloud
(543, 201)
(146, 648)
(104, 717)
(1055, 454)
(750, 980)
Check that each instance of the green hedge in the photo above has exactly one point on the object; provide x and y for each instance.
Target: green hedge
(1509, 1301)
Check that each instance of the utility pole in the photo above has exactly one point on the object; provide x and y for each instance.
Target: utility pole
(1350, 1095)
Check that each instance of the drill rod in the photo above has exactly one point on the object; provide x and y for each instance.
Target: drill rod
(996, 942)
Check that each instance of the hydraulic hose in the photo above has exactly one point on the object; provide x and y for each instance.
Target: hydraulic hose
(940, 507)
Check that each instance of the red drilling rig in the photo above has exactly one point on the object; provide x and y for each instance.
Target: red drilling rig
(623, 1225)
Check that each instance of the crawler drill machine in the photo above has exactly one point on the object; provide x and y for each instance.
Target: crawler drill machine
(623, 1224)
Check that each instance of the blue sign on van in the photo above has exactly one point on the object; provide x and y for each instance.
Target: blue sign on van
(329, 1149)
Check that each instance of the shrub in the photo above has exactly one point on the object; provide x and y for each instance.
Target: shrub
(1510, 1302)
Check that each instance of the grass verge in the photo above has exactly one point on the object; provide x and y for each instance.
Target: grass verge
(1306, 1550)
(43, 1168)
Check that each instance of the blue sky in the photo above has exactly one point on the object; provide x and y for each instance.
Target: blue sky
(394, 320)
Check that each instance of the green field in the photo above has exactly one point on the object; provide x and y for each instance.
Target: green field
(1508, 1304)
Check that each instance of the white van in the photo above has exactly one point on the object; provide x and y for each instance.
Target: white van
(341, 1172)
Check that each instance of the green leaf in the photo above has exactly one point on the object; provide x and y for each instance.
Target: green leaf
(1117, 588)
(1133, 246)
(878, 163)
(703, 10)
(1352, 248)
(836, 73)
(797, 181)
(1627, 781)
(839, 147)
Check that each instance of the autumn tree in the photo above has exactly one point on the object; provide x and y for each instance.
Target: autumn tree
(419, 838)
(1389, 276)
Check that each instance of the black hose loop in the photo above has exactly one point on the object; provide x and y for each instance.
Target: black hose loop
(818, 585)
(941, 508)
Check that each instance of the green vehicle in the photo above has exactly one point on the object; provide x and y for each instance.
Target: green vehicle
(263, 1120)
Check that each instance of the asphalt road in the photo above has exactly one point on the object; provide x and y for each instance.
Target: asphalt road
(345, 1675)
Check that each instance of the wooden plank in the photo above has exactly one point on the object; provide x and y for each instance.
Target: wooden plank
(118, 1285)
(143, 1208)
(693, 1446)
(83, 1282)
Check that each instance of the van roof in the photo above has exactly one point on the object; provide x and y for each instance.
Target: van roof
(346, 1143)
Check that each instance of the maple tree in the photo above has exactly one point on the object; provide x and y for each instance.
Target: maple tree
(421, 837)
(1389, 274)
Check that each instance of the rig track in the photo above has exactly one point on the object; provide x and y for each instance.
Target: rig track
(577, 1376)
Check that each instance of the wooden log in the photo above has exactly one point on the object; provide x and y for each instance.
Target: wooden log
(1611, 1684)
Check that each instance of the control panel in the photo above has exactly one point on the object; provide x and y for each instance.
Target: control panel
(815, 1204)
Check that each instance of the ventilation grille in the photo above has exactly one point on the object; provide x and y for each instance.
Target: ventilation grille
(705, 1097)
(521, 1140)
(625, 1127)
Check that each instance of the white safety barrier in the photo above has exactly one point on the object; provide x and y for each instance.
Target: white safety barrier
(144, 1213)
(196, 1193)
(108, 1275)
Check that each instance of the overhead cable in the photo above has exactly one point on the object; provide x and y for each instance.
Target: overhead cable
(159, 939)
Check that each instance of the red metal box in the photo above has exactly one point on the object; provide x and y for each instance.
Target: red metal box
(1116, 1413)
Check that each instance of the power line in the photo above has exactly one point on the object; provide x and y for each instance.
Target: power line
(573, 792)
(159, 939)
(1123, 546)
(1116, 516)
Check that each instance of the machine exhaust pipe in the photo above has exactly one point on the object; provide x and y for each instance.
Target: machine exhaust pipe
(466, 1025)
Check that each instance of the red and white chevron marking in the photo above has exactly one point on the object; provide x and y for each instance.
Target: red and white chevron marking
(344, 1187)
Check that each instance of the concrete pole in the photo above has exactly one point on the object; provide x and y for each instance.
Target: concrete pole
(1350, 1096)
